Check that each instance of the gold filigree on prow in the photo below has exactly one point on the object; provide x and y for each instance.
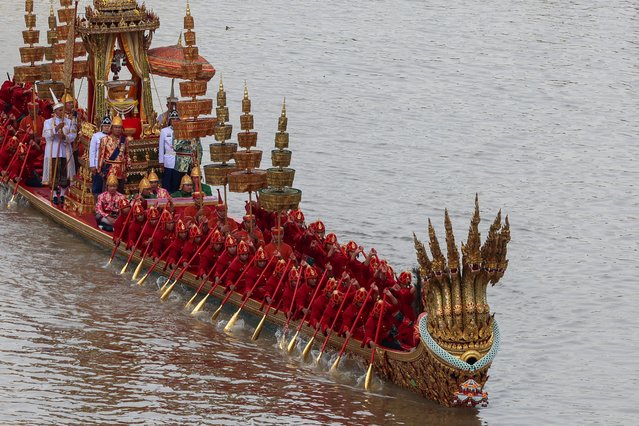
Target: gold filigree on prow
(455, 299)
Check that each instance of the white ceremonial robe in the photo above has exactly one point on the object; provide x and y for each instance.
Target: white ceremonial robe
(58, 146)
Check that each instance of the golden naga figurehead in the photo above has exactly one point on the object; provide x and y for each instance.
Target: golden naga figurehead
(459, 317)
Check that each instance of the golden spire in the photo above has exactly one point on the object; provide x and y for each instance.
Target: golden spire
(221, 84)
(188, 8)
(179, 43)
(284, 107)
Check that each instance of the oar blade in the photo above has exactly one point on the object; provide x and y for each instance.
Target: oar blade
(199, 306)
(191, 300)
(256, 333)
(123, 270)
(137, 270)
(216, 313)
(307, 348)
(335, 364)
(229, 325)
(168, 291)
(369, 377)
(143, 279)
(291, 344)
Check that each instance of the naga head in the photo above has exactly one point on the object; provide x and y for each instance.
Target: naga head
(454, 292)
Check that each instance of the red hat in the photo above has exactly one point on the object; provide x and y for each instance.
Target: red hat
(180, 227)
(260, 254)
(293, 274)
(331, 239)
(297, 216)
(405, 278)
(230, 241)
(166, 216)
(318, 226)
(153, 213)
(280, 266)
(310, 272)
(217, 237)
(351, 246)
(277, 231)
(249, 217)
(138, 209)
(198, 195)
(337, 297)
(195, 231)
(377, 308)
(360, 296)
(123, 203)
(373, 262)
(330, 286)
(243, 248)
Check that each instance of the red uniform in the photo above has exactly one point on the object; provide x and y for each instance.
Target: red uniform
(175, 250)
(161, 240)
(223, 263)
(317, 309)
(117, 228)
(235, 270)
(285, 250)
(135, 228)
(370, 329)
(207, 258)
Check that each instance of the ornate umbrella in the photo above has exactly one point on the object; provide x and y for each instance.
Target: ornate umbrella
(168, 61)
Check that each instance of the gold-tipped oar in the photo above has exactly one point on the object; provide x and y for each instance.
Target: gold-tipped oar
(231, 322)
(350, 333)
(337, 315)
(204, 281)
(134, 248)
(146, 251)
(203, 301)
(119, 239)
(257, 331)
(369, 372)
(219, 309)
(145, 276)
(291, 344)
(185, 268)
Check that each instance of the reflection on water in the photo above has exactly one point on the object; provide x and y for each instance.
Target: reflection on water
(396, 110)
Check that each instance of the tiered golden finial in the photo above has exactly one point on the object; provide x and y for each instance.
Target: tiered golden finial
(458, 313)
(280, 196)
(30, 54)
(221, 152)
(190, 126)
(67, 34)
(249, 178)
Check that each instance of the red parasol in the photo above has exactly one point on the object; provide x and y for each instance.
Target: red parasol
(168, 61)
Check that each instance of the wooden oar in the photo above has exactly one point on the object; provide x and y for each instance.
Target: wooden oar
(231, 322)
(217, 282)
(291, 344)
(185, 268)
(166, 250)
(204, 281)
(219, 309)
(350, 332)
(126, 222)
(24, 163)
(337, 315)
(257, 331)
(134, 248)
(146, 251)
(369, 373)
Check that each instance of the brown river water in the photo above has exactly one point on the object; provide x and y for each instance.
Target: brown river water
(397, 110)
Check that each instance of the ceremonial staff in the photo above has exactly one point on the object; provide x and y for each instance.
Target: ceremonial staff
(369, 372)
(258, 329)
(291, 344)
(231, 322)
(219, 309)
(185, 268)
(350, 332)
(119, 239)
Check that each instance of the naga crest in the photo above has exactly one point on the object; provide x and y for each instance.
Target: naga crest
(454, 292)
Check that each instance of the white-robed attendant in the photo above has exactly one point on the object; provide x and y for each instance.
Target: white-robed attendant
(166, 156)
(58, 167)
(97, 187)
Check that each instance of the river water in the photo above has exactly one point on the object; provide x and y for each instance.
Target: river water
(397, 110)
